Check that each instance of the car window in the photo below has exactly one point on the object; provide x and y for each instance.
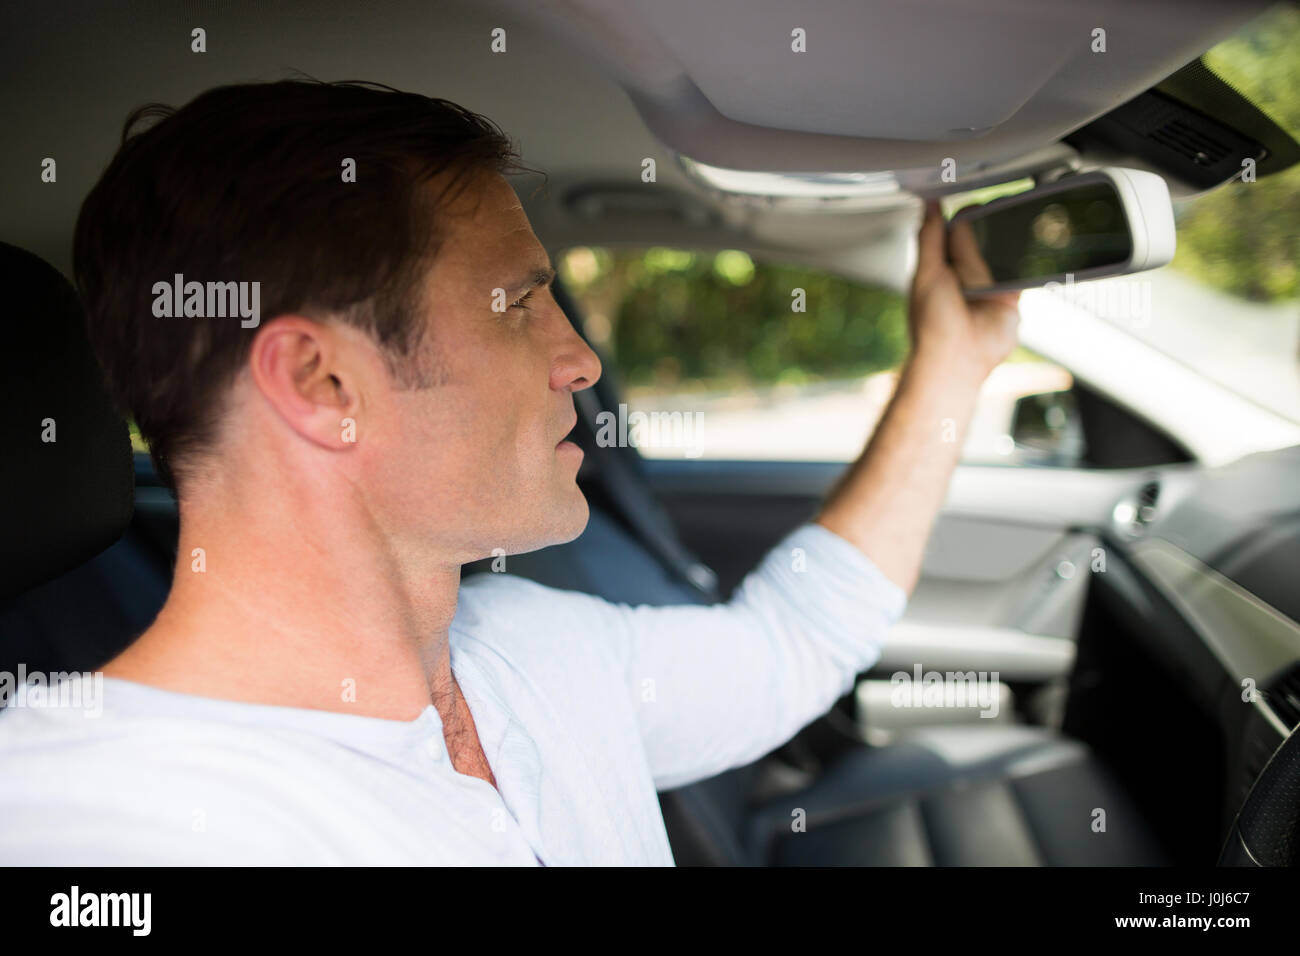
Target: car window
(1227, 304)
(138, 443)
(720, 356)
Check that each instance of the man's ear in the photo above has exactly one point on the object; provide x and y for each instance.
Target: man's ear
(306, 371)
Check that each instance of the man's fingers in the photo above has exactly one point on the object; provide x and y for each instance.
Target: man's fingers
(967, 260)
(930, 242)
(1000, 311)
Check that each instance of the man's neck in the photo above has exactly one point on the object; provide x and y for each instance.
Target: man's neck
(270, 604)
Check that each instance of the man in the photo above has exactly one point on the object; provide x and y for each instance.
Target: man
(319, 687)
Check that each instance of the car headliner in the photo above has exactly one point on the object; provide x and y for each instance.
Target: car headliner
(580, 79)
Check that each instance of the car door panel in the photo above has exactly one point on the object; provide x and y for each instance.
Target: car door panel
(1005, 571)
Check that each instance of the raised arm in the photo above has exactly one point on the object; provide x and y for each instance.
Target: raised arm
(887, 502)
(718, 687)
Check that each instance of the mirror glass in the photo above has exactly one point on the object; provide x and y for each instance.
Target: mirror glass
(1045, 236)
(1047, 429)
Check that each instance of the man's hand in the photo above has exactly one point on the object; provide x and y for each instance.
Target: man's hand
(974, 335)
(887, 502)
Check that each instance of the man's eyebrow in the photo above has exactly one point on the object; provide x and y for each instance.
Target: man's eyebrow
(537, 277)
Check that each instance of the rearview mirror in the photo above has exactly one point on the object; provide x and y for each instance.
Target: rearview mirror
(1105, 222)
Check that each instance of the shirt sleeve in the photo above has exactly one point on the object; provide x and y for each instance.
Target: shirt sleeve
(717, 687)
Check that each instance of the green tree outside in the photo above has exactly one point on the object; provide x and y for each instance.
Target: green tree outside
(1244, 238)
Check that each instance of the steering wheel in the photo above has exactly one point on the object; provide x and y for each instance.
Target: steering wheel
(1267, 829)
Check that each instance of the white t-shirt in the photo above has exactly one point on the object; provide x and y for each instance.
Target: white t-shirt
(584, 709)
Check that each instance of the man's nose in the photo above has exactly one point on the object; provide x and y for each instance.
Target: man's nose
(577, 366)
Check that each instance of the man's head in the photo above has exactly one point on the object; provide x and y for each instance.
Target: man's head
(379, 227)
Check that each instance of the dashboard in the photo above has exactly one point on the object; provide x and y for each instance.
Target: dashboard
(1211, 577)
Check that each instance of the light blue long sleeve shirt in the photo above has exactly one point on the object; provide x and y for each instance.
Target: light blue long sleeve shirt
(584, 710)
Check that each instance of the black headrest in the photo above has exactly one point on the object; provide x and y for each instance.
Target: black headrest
(64, 500)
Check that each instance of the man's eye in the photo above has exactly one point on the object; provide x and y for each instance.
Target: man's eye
(521, 304)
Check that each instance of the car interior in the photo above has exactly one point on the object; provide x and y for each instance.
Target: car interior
(1138, 606)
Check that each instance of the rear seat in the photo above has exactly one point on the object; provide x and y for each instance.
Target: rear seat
(83, 618)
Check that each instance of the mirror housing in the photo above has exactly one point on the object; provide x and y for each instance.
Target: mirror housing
(1105, 222)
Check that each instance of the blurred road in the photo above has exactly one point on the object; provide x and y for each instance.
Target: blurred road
(830, 421)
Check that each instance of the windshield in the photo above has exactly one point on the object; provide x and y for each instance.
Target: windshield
(1228, 306)
(714, 335)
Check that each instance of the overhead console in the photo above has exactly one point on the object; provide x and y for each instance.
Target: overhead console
(1172, 130)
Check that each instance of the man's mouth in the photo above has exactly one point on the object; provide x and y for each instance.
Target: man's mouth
(566, 445)
(566, 438)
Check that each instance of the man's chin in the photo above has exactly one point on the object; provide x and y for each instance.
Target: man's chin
(569, 518)
(580, 515)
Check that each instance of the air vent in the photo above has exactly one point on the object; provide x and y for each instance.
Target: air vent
(1147, 498)
(1135, 511)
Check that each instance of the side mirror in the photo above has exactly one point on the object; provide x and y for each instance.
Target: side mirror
(1046, 429)
(1106, 222)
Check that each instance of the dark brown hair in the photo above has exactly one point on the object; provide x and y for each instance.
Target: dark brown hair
(245, 183)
